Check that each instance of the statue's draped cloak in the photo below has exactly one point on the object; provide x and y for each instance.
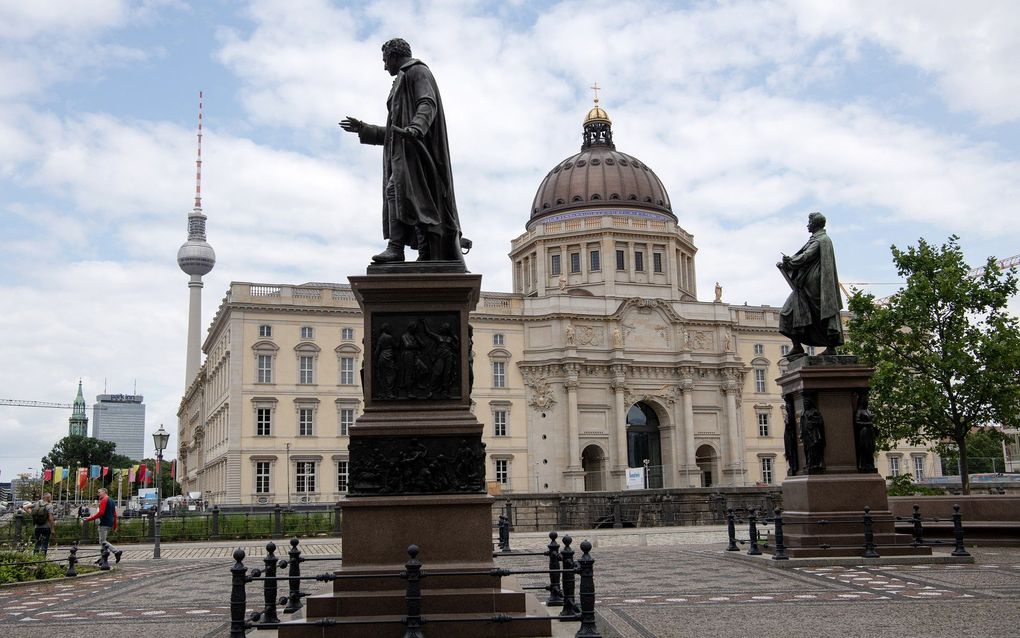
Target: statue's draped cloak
(420, 172)
(811, 314)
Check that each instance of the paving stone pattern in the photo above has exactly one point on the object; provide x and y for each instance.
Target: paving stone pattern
(646, 588)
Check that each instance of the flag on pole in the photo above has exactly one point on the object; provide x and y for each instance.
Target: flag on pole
(143, 471)
(173, 469)
(132, 473)
(83, 477)
(47, 475)
(94, 471)
(106, 470)
(58, 474)
(66, 472)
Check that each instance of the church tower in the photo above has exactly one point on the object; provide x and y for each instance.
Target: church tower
(196, 258)
(78, 424)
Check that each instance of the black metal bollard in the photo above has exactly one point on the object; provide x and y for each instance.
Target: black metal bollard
(104, 558)
(918, 530)
(555, 598)
(569, 611)
(586, 572)
(731, 530)
(412, 572)
(294, 578)
(277, 521)
(152, 524)
(780, 553)
(959, 550)
(214, 524)
(270, 616)
(72, 560)
(752, 533)
(508, 511)
(337, 513)
(84, 531)
(238, 579)
(504, 533)
(869, 535)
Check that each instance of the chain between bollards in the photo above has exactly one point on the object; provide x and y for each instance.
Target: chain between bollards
(555, 598)
(412, 572)
(869, 535)
(586, 572)
(959, 550)
(780, 552)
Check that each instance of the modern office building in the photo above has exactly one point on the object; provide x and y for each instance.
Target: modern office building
(120, 418)
(602, 358)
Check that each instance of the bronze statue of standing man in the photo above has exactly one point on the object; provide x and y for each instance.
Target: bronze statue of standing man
(419, 208)
(811, 314)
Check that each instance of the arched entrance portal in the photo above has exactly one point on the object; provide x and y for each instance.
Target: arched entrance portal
(593, 462)
(643, 442)
(707, 459)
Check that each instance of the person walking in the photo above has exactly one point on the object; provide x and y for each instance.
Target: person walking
(42, 517)
(107, 516)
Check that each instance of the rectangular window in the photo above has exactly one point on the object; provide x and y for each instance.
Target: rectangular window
(262, 477)
(763, 424)
(503, 471)
(766, 471)
(894, 466)
(263, 421)
(575, 262)
(305, 476)
(265, 331)
(918, 468)
(498, 339)
(346, 370)
(759, 348)
(759, 379)
(347, 334)
(784, 349)
(499, 422)
(342, 474)
(499, 374)
(305, 416)
(554, 264)
(306, 369)
(639, 261)
(264, 368)
(657, 262)
(621, 260)
(346, 421)
(594, 261)
(307, 332)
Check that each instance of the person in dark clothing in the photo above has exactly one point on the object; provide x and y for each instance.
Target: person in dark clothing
(42, 516)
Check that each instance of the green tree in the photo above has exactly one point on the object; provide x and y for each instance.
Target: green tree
(84, 451)
(984, 449)
(944, 348)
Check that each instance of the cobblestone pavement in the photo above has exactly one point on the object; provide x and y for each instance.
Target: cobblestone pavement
(660, 584)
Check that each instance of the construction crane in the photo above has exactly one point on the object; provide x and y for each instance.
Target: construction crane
(1005, 264)
(23, 403)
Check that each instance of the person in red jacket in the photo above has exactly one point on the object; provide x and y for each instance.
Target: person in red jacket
(107, 516)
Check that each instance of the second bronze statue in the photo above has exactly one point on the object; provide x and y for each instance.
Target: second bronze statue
(419, 207)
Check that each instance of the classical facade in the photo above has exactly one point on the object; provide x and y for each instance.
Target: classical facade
(602, 358)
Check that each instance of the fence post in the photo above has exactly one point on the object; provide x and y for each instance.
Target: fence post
(214, 532)
(869, 535)
(277, 521)
(412, 572)
(508, 511)
(918, 530)
(337, 512)
(569, 611)
(238, 579)
(72, 560)
(586, 570)
(270, 592)
(752, 533)
(151, 515)
(294, 576)
(555, 598)
(959, 550)
(780, 553)
(731, 531)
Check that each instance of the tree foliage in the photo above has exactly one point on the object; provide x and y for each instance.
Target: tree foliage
(83, 451)
(946, 352)
(984, 452)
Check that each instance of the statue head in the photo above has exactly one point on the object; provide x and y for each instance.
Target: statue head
(815, 221)
(394, 52)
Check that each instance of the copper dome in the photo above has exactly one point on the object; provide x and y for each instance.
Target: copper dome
(600, 176)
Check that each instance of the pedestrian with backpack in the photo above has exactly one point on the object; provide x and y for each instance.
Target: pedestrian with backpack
(107, 515)
(42, 518)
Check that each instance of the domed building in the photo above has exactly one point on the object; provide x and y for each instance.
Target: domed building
(601, 359)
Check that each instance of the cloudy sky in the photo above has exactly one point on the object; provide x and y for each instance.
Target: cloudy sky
(898, 120)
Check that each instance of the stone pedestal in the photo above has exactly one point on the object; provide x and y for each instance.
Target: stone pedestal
(826, 490)
(417, 472)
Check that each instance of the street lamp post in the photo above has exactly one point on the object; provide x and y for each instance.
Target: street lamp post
(159, 440)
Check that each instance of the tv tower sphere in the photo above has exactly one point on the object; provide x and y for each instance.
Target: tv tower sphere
(196, 256)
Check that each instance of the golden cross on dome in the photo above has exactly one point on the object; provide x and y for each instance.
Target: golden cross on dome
(595, 87)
